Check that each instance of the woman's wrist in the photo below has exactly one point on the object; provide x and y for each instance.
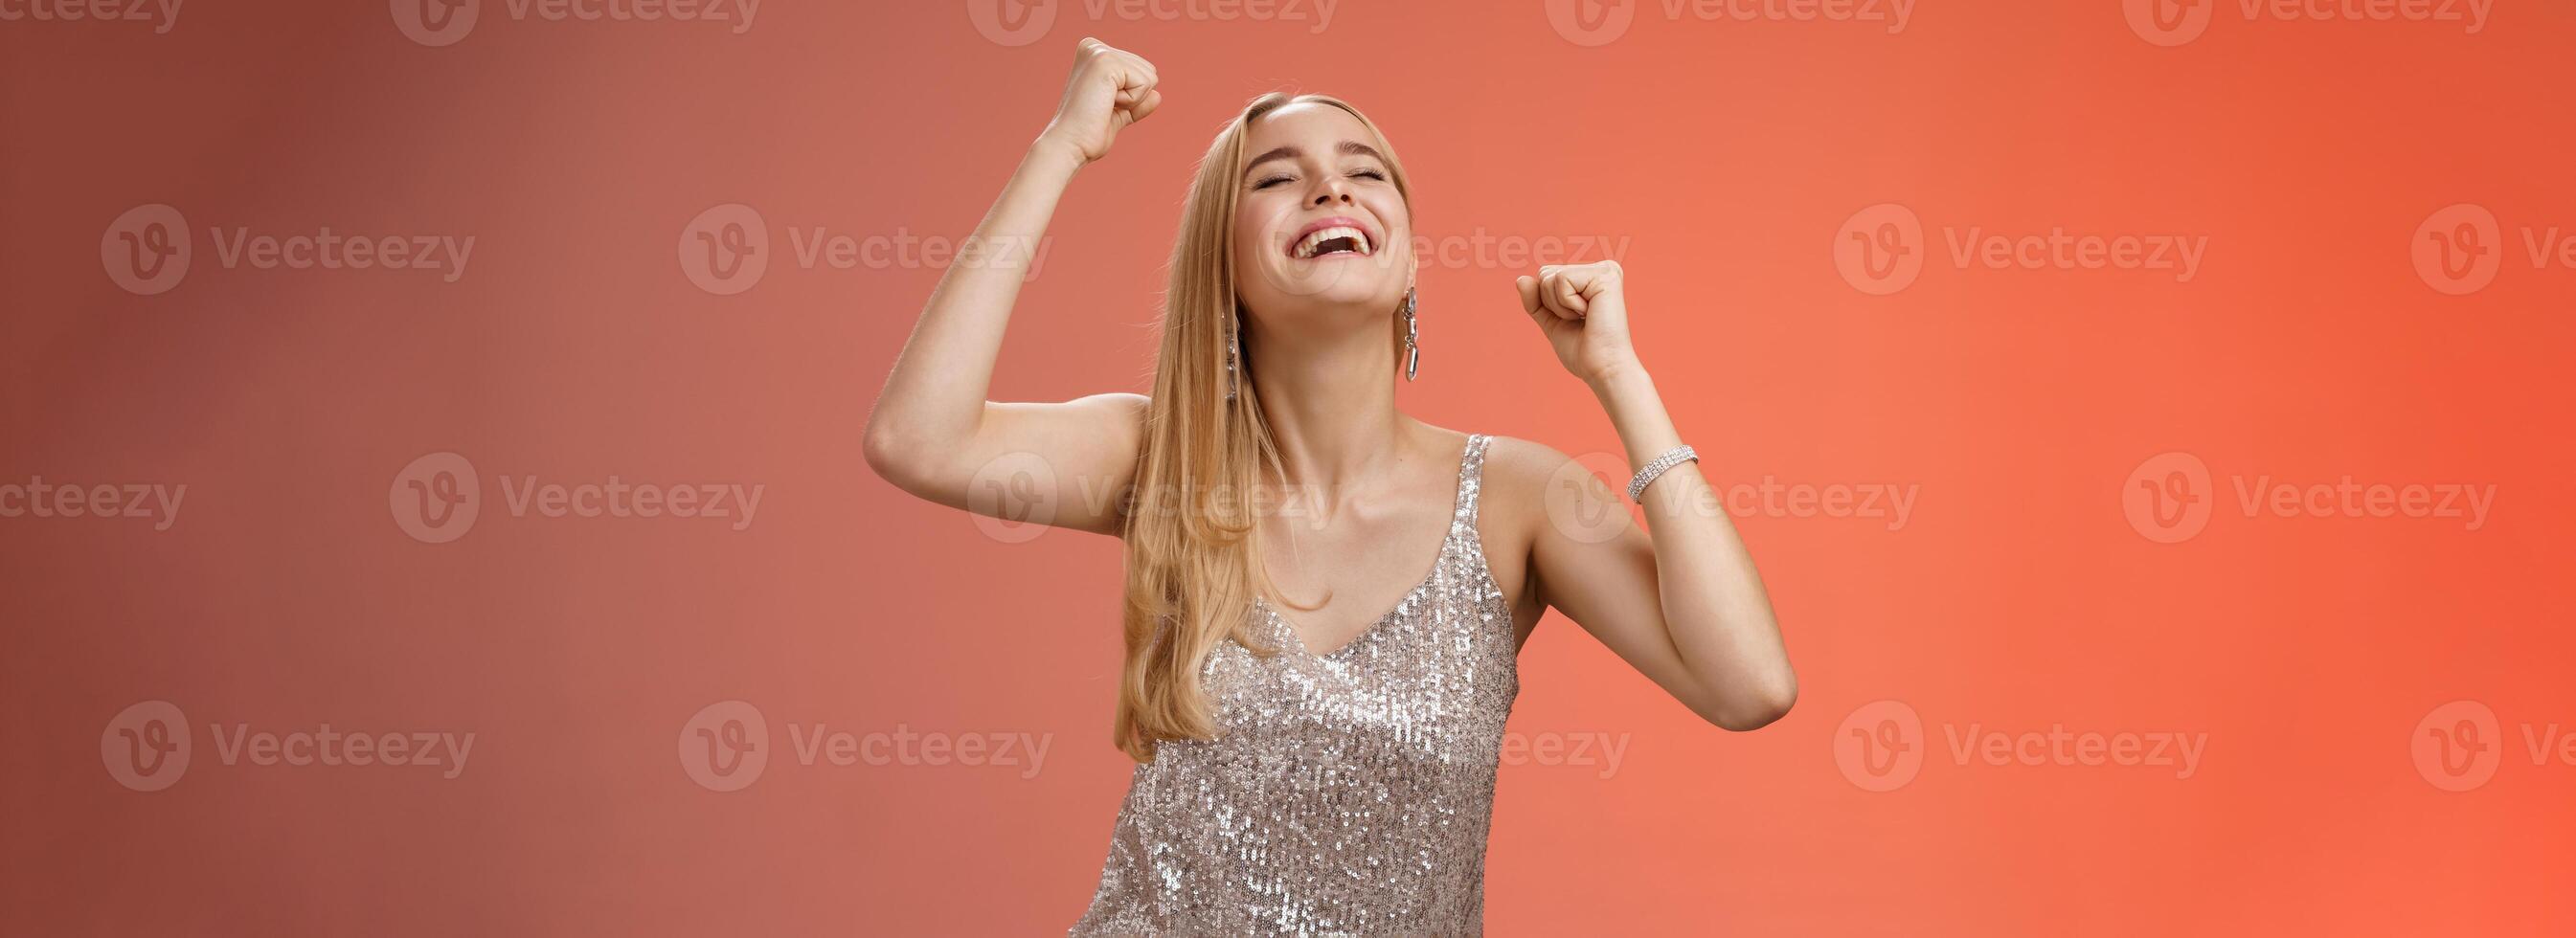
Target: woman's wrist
(1611, 377)
(1049, 152)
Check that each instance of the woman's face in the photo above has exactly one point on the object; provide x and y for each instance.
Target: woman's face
(1319, 229)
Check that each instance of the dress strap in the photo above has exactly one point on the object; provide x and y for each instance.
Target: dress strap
(1471, 468)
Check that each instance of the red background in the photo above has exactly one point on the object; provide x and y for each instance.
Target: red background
(2015, 598)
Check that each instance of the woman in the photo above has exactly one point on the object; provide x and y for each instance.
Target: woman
(1324, 766)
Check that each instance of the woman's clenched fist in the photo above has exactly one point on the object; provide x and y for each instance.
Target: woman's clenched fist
(1109, 90)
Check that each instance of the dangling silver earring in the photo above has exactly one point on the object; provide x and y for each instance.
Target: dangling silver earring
(1412, 337)
(1233, 348)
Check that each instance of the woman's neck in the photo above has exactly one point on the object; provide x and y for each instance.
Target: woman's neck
(1331, 410)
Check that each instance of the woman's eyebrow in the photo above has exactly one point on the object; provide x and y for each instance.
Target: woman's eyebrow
(1346, 147)
(1278, 153)
(1356, 148)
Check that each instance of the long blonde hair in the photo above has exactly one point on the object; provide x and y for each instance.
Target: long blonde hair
(1192, 525)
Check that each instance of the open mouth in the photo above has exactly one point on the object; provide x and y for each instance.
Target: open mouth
(1330, 237)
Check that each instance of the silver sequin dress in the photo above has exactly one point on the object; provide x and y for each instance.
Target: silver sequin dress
(1346, 793)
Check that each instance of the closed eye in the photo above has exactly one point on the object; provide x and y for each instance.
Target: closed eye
(1267, 182)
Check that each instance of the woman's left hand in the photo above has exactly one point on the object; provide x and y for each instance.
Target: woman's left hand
(1585, 318)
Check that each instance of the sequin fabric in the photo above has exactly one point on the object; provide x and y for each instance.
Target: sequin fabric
(1346, 793)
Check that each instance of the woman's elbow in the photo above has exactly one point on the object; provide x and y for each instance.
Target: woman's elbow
(1754, 708)
(894, 458)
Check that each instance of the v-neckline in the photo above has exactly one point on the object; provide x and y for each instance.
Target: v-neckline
(1439, 558)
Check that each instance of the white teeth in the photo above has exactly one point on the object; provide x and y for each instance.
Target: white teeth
(1306, 245)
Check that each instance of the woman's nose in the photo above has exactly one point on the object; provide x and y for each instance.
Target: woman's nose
(1332, 192)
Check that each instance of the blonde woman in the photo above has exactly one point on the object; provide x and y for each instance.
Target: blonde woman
(1323, 766)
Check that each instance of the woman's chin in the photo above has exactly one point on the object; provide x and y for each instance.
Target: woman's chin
(1336, 303)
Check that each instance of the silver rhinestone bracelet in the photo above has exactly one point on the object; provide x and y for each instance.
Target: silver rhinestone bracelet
(1671, 457)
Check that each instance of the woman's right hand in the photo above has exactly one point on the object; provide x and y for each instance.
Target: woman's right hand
(1109, 90)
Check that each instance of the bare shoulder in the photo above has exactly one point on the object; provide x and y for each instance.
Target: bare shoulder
(1519, 470)
(1512, 504)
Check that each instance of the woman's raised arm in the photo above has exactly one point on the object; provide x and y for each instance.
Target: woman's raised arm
(933, 433)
